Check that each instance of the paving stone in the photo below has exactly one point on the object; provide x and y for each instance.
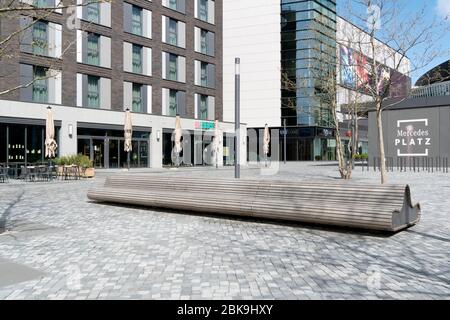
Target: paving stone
(86, 250)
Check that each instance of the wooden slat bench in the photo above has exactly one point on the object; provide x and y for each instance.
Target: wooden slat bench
(374, 207)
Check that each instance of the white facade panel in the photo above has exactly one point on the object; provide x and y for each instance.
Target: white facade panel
(79, 46)
(105, 52)
(251, 31)
(127, 95)
(147, 61)
(105, 14)
(105, 93)
(79, 90)
(149, 99)
(127, 57)
(147, 25)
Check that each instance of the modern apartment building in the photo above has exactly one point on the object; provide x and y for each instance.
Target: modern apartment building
(286, 49)
(158, 58)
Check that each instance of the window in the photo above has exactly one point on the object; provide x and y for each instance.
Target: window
(172, 103)
(203, 107)
(204, 74)
(173, 67)
(203, 41)
(93, 93)
(93, 12)
(137, 98)
(173, 4)
(203, 10)
(40, 92)
(137, 58)
(173, 32)
(40, 38)
(42, 4)
(136, 20)
(93, 54)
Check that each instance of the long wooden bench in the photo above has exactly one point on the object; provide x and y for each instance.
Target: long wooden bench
(374, 207)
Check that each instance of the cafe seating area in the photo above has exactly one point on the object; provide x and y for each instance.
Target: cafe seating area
(39, 172)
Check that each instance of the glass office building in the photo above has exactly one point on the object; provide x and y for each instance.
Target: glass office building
(308, 51)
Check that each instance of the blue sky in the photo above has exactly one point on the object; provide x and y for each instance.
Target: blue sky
(434, 9)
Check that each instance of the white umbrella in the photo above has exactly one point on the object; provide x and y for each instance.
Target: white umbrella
(128, 134)
(178, 134)
(266, 142)
(217, 142)
(50, 142)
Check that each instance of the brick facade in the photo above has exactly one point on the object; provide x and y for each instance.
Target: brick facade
(9, 65)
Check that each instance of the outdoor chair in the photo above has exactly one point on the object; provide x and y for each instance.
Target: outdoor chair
(43, 173)
(32, 173)
(4, 177)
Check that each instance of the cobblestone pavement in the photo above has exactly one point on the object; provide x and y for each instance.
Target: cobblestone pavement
(85, 250)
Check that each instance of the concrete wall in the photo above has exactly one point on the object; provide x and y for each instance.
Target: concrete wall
(251, 31)
(415, 132)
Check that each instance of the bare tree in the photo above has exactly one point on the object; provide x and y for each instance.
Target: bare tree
(323, 67)
(35, 11)
(413, 40)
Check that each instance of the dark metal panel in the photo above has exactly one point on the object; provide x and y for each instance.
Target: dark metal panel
(91, 125)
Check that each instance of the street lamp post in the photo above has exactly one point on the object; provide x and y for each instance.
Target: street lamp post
(237, 120)
(284, 140)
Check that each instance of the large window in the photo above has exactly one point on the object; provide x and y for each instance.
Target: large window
(172, 103)
(93, 11)
(136, 20)
(173, 4)
(137, 97)
(203, 10)
(40, 39)
(203, 107)
(137, 58)
(93, 49)
(40, 90)
(173, 67)
(173, 32)
(93, 92)
(203, 41)
(204, 74)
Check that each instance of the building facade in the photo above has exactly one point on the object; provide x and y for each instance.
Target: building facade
(158, 58)
(415, 131)
(285, 71)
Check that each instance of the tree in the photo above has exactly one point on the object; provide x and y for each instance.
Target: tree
(414, 41)
(33, 12)
(323, 67)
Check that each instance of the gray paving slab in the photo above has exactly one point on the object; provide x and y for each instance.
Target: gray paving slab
(86, 250)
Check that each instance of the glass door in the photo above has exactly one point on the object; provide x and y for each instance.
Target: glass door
(113, 148)
(98, 147)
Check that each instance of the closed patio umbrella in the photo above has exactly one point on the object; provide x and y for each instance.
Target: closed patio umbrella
(217, 142)
(266, 142)
(178, 134)
(128, 134)
(50, 142)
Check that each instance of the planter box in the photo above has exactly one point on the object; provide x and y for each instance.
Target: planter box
(89, 173)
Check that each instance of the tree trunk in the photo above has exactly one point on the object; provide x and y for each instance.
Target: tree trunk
(344, 170)
(381, 144)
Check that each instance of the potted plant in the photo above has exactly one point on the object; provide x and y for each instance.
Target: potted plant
(86, 166)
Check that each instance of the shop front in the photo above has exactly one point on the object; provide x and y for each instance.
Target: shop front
(302, 143)
(104, 145)
(22, 141)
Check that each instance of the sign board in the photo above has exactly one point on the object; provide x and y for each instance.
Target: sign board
(204, 125)
(413, 138)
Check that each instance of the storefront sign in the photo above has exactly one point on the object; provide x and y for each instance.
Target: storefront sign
(204, 125)
(413, 138)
